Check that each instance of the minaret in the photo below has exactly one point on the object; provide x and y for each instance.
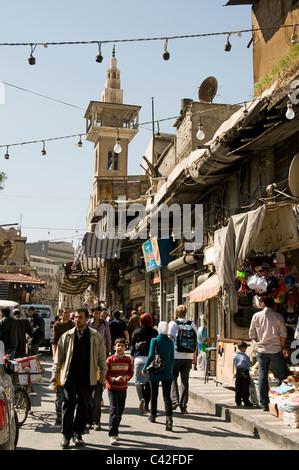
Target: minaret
(112, 92)
(106, 121)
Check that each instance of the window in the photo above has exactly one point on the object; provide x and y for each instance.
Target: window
(112, 161)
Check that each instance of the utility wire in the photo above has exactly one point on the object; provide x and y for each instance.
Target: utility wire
(139, 125)
(43, 96)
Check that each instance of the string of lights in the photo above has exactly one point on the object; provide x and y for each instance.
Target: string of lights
(166, 55)
(200, 134)
(163, 38)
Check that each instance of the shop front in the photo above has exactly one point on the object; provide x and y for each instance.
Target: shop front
(206, 299)
(256, 256)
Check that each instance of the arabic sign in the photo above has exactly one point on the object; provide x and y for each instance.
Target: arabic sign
(279, 230)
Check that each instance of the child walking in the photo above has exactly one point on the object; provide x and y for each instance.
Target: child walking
(118, 374)
(242, 382)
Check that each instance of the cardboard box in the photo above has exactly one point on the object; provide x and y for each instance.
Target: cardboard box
(274, 409)
(30, 370)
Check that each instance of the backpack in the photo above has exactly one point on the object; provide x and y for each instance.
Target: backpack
(186, 338)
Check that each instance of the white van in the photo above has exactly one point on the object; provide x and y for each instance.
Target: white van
(9, 303)
(46, 312)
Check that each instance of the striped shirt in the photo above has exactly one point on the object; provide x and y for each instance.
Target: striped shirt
(118, 365)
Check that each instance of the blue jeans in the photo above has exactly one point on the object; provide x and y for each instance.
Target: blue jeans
(281, 370)
(117, 400)
(59, 399)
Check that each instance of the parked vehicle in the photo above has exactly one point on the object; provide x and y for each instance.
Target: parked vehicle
(8, 303)
(9, 430)
(46, 312)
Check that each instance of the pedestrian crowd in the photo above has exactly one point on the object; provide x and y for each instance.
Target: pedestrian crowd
(89, 356)
(21, 335)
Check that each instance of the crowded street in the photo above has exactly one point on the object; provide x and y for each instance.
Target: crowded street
(197, 430)
(149, 250)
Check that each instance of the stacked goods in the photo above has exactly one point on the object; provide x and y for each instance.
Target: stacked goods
(290, 409)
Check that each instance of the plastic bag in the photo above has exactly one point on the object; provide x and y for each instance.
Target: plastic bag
(201, 361)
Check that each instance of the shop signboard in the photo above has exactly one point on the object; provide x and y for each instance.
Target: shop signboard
(137, 290)
(156, 253)
(279, 230)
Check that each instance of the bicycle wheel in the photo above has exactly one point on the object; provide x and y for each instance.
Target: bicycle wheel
(22, 405)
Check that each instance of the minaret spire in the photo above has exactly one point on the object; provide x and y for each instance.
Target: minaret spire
(112, 92)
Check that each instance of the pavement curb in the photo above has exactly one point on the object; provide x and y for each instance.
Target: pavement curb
(219, 400)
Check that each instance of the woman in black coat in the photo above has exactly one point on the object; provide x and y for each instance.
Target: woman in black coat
(140, 345)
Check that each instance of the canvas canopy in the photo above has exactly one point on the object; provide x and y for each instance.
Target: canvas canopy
(205, 291)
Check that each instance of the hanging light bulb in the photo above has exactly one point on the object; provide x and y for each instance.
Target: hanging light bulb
(117, 146)
(99, 57)
(200, 135)
(290, 114)
(79, 144)
(294, 37)
(166, 54)
(43, 152)
(31, 59)
(7, 154)
(245, 110)
(228, 45)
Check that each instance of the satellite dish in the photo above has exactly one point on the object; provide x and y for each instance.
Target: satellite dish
(293, 176)
(7, 248)
(208, 90)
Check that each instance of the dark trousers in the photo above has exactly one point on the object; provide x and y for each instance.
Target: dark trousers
(166, 389)
(181, 367)
(144, 391)
(242, 384)
(117, 401)
(77, 396)
(281, 370)
(95, 408)
(59, 399)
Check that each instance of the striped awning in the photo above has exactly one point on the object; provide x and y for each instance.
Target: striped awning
(94, 250)
(205, 291)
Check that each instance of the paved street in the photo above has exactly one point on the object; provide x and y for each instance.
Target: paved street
(198, 430)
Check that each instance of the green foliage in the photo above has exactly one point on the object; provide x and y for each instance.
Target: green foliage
(280, 70)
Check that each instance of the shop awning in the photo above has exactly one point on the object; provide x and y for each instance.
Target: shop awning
(94, 249)
(208, 289)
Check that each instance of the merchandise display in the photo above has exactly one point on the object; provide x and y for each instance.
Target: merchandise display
(275, 275)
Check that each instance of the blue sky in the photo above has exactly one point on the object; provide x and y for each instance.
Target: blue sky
(49, 194)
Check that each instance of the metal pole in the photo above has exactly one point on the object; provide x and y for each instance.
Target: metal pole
(153, 123)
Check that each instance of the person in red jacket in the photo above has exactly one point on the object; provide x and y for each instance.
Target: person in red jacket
(118, 374)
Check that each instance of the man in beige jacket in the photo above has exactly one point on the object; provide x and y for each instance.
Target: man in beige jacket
(79, 355)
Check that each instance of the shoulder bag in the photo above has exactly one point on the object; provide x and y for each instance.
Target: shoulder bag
(157, 364)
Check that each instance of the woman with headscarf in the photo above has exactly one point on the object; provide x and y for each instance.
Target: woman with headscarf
(140, 345)
(166, 351)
